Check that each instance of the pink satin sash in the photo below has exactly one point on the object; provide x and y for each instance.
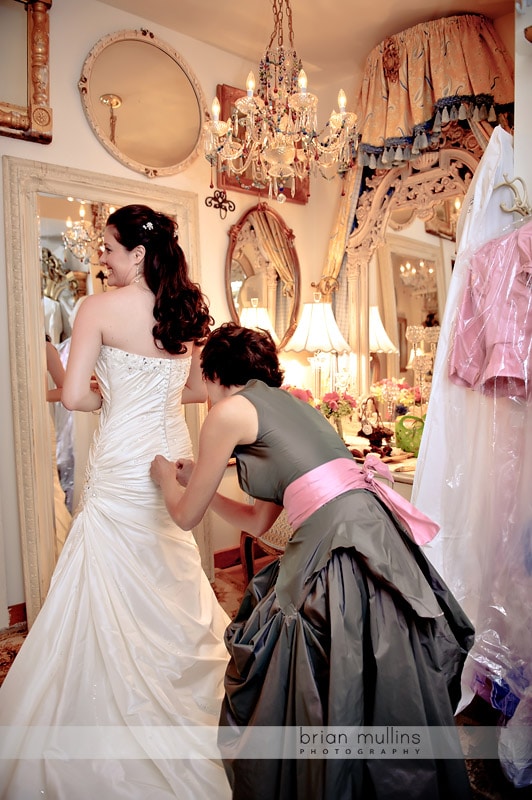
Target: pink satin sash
(311, 491)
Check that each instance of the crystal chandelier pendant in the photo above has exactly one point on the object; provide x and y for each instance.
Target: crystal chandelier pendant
(273, 133)
(80, 236)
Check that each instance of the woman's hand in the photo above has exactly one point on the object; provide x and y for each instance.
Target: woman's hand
(184, 470)
(95, 386)
(162, 470)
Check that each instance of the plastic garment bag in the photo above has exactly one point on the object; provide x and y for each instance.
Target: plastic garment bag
(474, 474)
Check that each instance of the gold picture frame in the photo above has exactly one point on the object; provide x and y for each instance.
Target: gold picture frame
(243, 183)
(33, 122)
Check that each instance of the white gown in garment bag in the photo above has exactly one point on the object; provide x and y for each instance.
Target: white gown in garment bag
(127, 651)
(456, 447)
(474, 478)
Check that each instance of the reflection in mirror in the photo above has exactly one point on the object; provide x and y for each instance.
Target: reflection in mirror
(26, 183)
(70, 231)
(409, 194)
(262, 277)
(413, 276)
(143, 102)
(24, 56)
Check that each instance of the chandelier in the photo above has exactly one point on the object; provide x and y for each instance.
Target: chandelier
(421, 278)
(272, 136)
(80, 236)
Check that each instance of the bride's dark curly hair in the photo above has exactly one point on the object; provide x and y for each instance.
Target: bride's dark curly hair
(237, 355)
(181, 311)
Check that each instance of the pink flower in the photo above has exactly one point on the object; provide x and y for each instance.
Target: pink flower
(302, 394)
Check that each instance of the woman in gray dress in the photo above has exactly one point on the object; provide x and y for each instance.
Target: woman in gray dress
(352, 627)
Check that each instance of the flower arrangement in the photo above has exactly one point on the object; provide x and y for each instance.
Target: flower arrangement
(302, 394)
(335, 405)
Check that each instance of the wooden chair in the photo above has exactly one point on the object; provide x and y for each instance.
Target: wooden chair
(272, 542)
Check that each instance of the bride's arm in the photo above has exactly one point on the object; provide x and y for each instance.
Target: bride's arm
(79, 393)
(195, 390)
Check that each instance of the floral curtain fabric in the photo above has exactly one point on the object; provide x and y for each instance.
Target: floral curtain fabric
(420, 79)
(415, 82)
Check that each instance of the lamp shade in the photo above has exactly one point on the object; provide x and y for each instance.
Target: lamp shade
(317, 331)
(257, 317)
(379, 341)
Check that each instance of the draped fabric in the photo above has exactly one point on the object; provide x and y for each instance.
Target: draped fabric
(415, 82)
(275, 246)
(425, 76)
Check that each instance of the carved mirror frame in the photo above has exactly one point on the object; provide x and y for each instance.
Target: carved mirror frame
(24, 181)
(417, 188)
(294, 291)
(149, 38)
(34, 121)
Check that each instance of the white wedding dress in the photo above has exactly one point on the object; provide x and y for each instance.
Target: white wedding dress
(118, 686)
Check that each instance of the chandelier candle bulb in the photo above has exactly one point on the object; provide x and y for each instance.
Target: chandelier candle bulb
(250, 84)
(342, 101)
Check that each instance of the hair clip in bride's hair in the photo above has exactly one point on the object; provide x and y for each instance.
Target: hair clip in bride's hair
(148, 226)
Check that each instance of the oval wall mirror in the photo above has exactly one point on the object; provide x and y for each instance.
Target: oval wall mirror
(143, 102)
(262, 276)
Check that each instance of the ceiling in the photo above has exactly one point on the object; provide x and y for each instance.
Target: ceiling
(333, 39)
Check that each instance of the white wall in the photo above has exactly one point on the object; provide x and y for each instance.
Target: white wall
(74, 29)
(523, 97)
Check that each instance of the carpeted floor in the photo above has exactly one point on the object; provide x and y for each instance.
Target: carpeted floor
(488, 782)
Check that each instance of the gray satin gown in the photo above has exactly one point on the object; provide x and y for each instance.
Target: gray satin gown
(352, 627)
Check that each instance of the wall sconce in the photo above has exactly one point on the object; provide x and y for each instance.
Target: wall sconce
(317, 332)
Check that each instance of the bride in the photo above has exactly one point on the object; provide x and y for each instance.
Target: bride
(118, 686)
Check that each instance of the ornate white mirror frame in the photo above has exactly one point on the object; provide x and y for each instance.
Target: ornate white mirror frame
(24, 181)
(420, 185)
(143, 102)
(33, 121)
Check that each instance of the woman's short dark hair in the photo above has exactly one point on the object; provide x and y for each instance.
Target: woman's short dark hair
(236, 355)
(181, 311)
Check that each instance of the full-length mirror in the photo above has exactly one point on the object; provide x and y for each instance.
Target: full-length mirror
(262, 277)
(27, 183)
(143, 102)
(25, 112)
(413, 276)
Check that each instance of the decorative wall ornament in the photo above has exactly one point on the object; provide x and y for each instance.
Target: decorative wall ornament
(219, 200)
